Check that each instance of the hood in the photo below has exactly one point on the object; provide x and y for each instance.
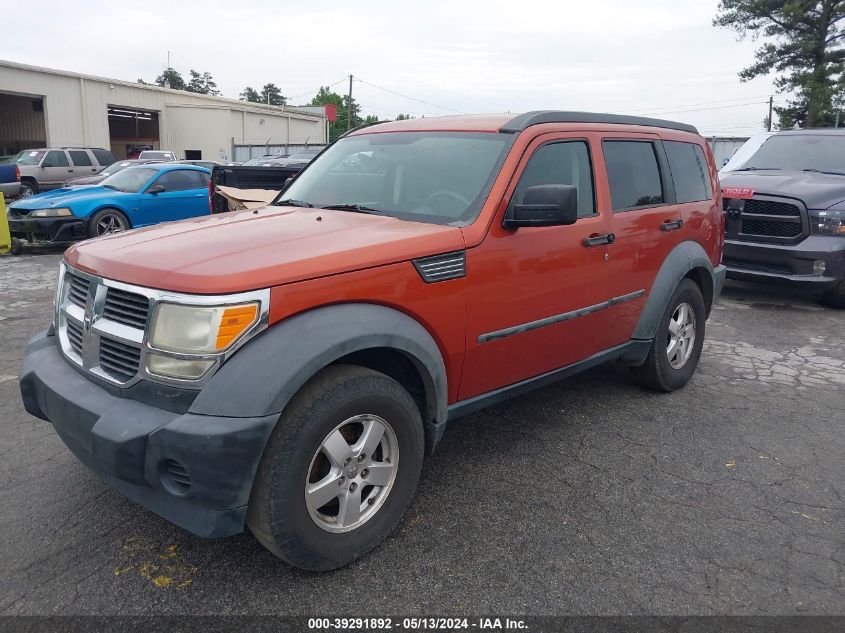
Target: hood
(815, 190)
(63, 197)
(246, 250)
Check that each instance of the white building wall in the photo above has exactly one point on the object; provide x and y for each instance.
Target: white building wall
(75, 112)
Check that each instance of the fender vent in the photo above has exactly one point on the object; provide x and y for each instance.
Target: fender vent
(442, 267)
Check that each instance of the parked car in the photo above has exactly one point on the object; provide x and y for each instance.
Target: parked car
(108, 171)
(287, 368)
(159, 155)
(745, 152)
(208, 164)
(10, 180)
(47, 168)
(786, 213)
(271, 177)
(133, 197)
(263, 160)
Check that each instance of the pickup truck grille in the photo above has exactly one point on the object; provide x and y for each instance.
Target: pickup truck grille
(101, 328)
(765, 219)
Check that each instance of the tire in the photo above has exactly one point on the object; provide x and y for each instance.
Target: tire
(334, 404)
(16, 247)
(28, 188)
(835, 297)
(660, 371)
(108, 222)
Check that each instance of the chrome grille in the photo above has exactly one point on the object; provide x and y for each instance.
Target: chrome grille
(119, 360)
(77, 290)
(74, 335)
(126, 307)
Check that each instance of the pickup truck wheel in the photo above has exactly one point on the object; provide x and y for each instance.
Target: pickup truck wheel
(339, 470)
(16, 247)
(835, 297)
(676, 348)
(106, 222)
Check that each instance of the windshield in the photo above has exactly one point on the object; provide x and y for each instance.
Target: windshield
(303, 155)
(437, 177)
(795, 152)
(28, 157)
(115, 167)
(130, 180)
(259, 161)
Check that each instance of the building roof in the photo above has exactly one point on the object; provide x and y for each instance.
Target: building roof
(171, 91)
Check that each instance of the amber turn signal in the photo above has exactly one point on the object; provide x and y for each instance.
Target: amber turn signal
(234, 322)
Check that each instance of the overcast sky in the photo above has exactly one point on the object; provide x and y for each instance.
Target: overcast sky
(647, 57)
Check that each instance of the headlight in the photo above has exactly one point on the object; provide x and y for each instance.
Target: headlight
(828, 222)
(57, 212)
(191, 329)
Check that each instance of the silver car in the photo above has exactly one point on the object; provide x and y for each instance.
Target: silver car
(49, 167)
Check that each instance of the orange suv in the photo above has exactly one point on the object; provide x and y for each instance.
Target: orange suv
(287, 368)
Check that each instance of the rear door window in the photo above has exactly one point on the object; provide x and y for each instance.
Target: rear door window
(80, 158)
(633, 174)
(689, 171)
(561, 163)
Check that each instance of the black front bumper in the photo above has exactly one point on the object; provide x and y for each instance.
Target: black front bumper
(135, 447)
(65, 229)
(787, 264)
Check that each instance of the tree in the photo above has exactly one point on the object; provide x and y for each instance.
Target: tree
(271, 95)
(250, 94)
(326, 97)
(805, 46)
(202, 83)
(403, 117)
(170, 78)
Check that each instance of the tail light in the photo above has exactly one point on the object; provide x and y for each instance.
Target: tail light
(17, 173)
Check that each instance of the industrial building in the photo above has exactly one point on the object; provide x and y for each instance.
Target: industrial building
(42, 107)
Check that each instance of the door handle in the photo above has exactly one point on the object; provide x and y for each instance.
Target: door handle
(70, 171)
(671, 225)
(597, 239)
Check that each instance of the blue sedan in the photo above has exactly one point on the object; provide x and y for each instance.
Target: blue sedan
(133, 197)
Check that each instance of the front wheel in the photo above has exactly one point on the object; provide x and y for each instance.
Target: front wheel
(835, 297)
(339, 470)
(107, 222)
(676, 348)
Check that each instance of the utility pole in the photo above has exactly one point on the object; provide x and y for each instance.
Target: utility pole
(349, 107)
(771, 103)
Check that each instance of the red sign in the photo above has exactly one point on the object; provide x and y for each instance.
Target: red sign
(743, 193)
(331, 112)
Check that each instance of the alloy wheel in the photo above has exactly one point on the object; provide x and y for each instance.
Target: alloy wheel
(109, 224)
(681, 336)
(352, 473)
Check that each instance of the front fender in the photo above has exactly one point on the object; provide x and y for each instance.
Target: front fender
(268, 371)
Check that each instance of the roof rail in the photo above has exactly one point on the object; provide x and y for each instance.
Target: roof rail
(522, 121)
(361, 127)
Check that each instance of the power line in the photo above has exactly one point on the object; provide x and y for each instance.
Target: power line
(690, 105)
(738, 105)
(408, 96)
(313, 92)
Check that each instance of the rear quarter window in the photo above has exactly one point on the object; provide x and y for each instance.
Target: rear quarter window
(689, 171)
(633, 174)
(104, 157)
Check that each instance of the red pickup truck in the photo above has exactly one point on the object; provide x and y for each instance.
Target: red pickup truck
(287, 368)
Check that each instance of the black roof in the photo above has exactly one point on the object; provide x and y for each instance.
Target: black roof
(522, 121)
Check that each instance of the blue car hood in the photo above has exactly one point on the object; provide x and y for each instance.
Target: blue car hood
(65, 196)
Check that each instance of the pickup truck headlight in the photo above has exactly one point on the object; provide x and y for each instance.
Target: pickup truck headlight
(828, 221)
(57, 212)
(189, 330)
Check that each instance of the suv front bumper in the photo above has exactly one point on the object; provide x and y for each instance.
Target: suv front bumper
(63, 229)
(147, 453)
(787, 264)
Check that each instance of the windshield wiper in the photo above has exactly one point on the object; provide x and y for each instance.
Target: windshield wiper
(293, 203)
(822, 171)
(110, 187)
(357, 208)
(758, 169)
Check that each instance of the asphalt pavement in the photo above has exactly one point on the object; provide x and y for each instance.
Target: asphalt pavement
(591, 496)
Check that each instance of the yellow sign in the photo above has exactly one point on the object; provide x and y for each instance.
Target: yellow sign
(5, 237)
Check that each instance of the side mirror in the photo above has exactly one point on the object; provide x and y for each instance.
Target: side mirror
(288, 181)
(154, 189)
(544, 205)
